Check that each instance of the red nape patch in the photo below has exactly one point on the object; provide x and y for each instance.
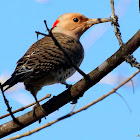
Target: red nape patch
(56, 22)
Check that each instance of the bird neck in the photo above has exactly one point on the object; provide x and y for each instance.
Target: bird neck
(68, 33)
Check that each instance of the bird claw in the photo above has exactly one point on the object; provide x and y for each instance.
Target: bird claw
(34, 113)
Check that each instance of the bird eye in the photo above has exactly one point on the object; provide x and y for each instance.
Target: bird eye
(75, 19)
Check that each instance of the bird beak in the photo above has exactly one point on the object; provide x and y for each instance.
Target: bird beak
(91, 22)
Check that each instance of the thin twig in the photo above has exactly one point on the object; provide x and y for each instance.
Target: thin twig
(116, 24)
(132, 61)
(133, 86)
(75, 112)
(129, 59)
(66, 54)
(9, 109)
(22, 108)
(39, 33)
(124, 101)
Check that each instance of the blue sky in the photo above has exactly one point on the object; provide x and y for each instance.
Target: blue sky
(110, 118)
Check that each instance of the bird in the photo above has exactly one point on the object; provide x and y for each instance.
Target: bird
(44, 63)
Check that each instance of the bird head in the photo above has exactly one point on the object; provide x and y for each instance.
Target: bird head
(75, 24)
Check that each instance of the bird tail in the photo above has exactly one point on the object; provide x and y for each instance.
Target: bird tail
(10, 82)
(15, 78)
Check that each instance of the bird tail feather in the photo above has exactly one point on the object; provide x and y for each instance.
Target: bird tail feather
(10, 82)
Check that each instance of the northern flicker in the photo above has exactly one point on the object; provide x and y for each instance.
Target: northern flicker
(44, 63)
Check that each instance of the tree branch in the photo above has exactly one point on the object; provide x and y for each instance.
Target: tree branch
(76, 90)
(77, 111)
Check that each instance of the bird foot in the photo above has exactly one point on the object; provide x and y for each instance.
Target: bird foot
(34, 113)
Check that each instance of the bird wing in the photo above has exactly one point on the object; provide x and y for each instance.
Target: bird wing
(44, 57)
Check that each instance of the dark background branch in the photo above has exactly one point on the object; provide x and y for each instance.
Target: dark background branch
(76, 90)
